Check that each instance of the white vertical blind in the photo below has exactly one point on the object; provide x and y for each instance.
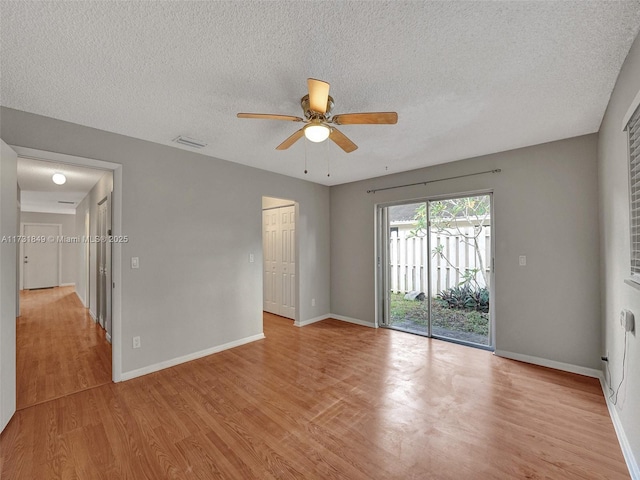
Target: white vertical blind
(633, 128)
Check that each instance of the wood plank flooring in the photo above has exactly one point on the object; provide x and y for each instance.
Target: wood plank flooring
(60, 349)
(327, 401)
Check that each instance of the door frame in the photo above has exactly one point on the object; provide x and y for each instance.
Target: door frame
(381, 252)
(116, 251)
(105, 322)
(296, 205)
(22, 245)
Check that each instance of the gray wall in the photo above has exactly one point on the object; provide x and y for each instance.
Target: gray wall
(192, 220)
(82, 256)
(615, 247)
(8, 227)
(69, 250)
(545, 206)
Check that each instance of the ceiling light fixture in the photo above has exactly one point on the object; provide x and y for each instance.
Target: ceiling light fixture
(316, 132)
(59, 178)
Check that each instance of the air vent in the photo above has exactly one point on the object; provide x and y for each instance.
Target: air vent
(189, 142)
(68, 203)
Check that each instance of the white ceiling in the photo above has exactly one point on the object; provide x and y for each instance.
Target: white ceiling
(38, 193)
(466, 78)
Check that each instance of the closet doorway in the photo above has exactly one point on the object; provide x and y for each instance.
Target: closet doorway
(279, 256)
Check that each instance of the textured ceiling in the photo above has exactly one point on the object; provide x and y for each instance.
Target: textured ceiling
(466, 78)
(38, 193)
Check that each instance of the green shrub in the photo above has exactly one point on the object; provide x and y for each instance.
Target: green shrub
(463, 297)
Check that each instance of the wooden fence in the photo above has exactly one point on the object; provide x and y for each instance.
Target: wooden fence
(409, 256)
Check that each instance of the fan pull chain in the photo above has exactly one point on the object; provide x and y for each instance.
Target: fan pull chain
(326, 150)
(305, 156)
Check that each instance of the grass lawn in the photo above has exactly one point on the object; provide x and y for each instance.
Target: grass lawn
(453, 320)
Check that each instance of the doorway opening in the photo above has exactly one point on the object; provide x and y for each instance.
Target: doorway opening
(435, 260)
(280, 253)
(94, 340)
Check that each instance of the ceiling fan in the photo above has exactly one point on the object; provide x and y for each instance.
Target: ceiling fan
(317, 105)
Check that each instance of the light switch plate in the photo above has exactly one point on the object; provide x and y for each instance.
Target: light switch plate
(522, 260)
(135, 262)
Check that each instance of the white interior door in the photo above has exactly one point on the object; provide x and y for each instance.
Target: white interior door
(269, 244)
(86, 259)
(41, 256)
(279, 251)
(103, 259)
(99, 276)
(106, 267)
(288, 261)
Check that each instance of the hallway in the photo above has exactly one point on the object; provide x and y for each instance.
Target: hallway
(60, 349)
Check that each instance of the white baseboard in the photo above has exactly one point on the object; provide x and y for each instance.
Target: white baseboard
(67, 285)
(93, 315)
(543, 362)
(187, 358)
(81, 300)
(342, 318)
(311, 320)
(627, 453)
(108, 337)
(336, 317)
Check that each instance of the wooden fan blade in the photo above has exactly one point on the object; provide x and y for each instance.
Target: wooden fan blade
(269, 116)
(371, 118)
(342, 140)
(318, 95)
(291, 140)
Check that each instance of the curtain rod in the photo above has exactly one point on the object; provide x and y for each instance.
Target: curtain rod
(497, 170)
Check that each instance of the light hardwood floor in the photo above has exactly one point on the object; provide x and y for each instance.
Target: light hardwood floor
(60, 349)
(329, 400)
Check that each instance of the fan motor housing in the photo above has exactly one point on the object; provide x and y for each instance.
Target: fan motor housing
(309, 114)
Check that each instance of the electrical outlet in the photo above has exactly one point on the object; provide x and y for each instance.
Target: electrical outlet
(627, 320)
(136, 342)
(522, 260)
(251, 258)
(313, 302)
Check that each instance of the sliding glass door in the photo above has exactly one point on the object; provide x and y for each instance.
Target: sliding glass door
(434, 268)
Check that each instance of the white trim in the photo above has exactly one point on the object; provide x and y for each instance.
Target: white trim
(627, 453)
(93, 316)
(543, 362)
(632, 108)
(342, 318)
(632, 282)
(108, 337)
(116, 275)
(311, 320)
(68, 285)
(187, 358)
(34, 154)
(116, 252)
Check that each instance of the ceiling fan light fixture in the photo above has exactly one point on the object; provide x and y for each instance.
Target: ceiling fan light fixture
(317, 132)
(59, 178)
